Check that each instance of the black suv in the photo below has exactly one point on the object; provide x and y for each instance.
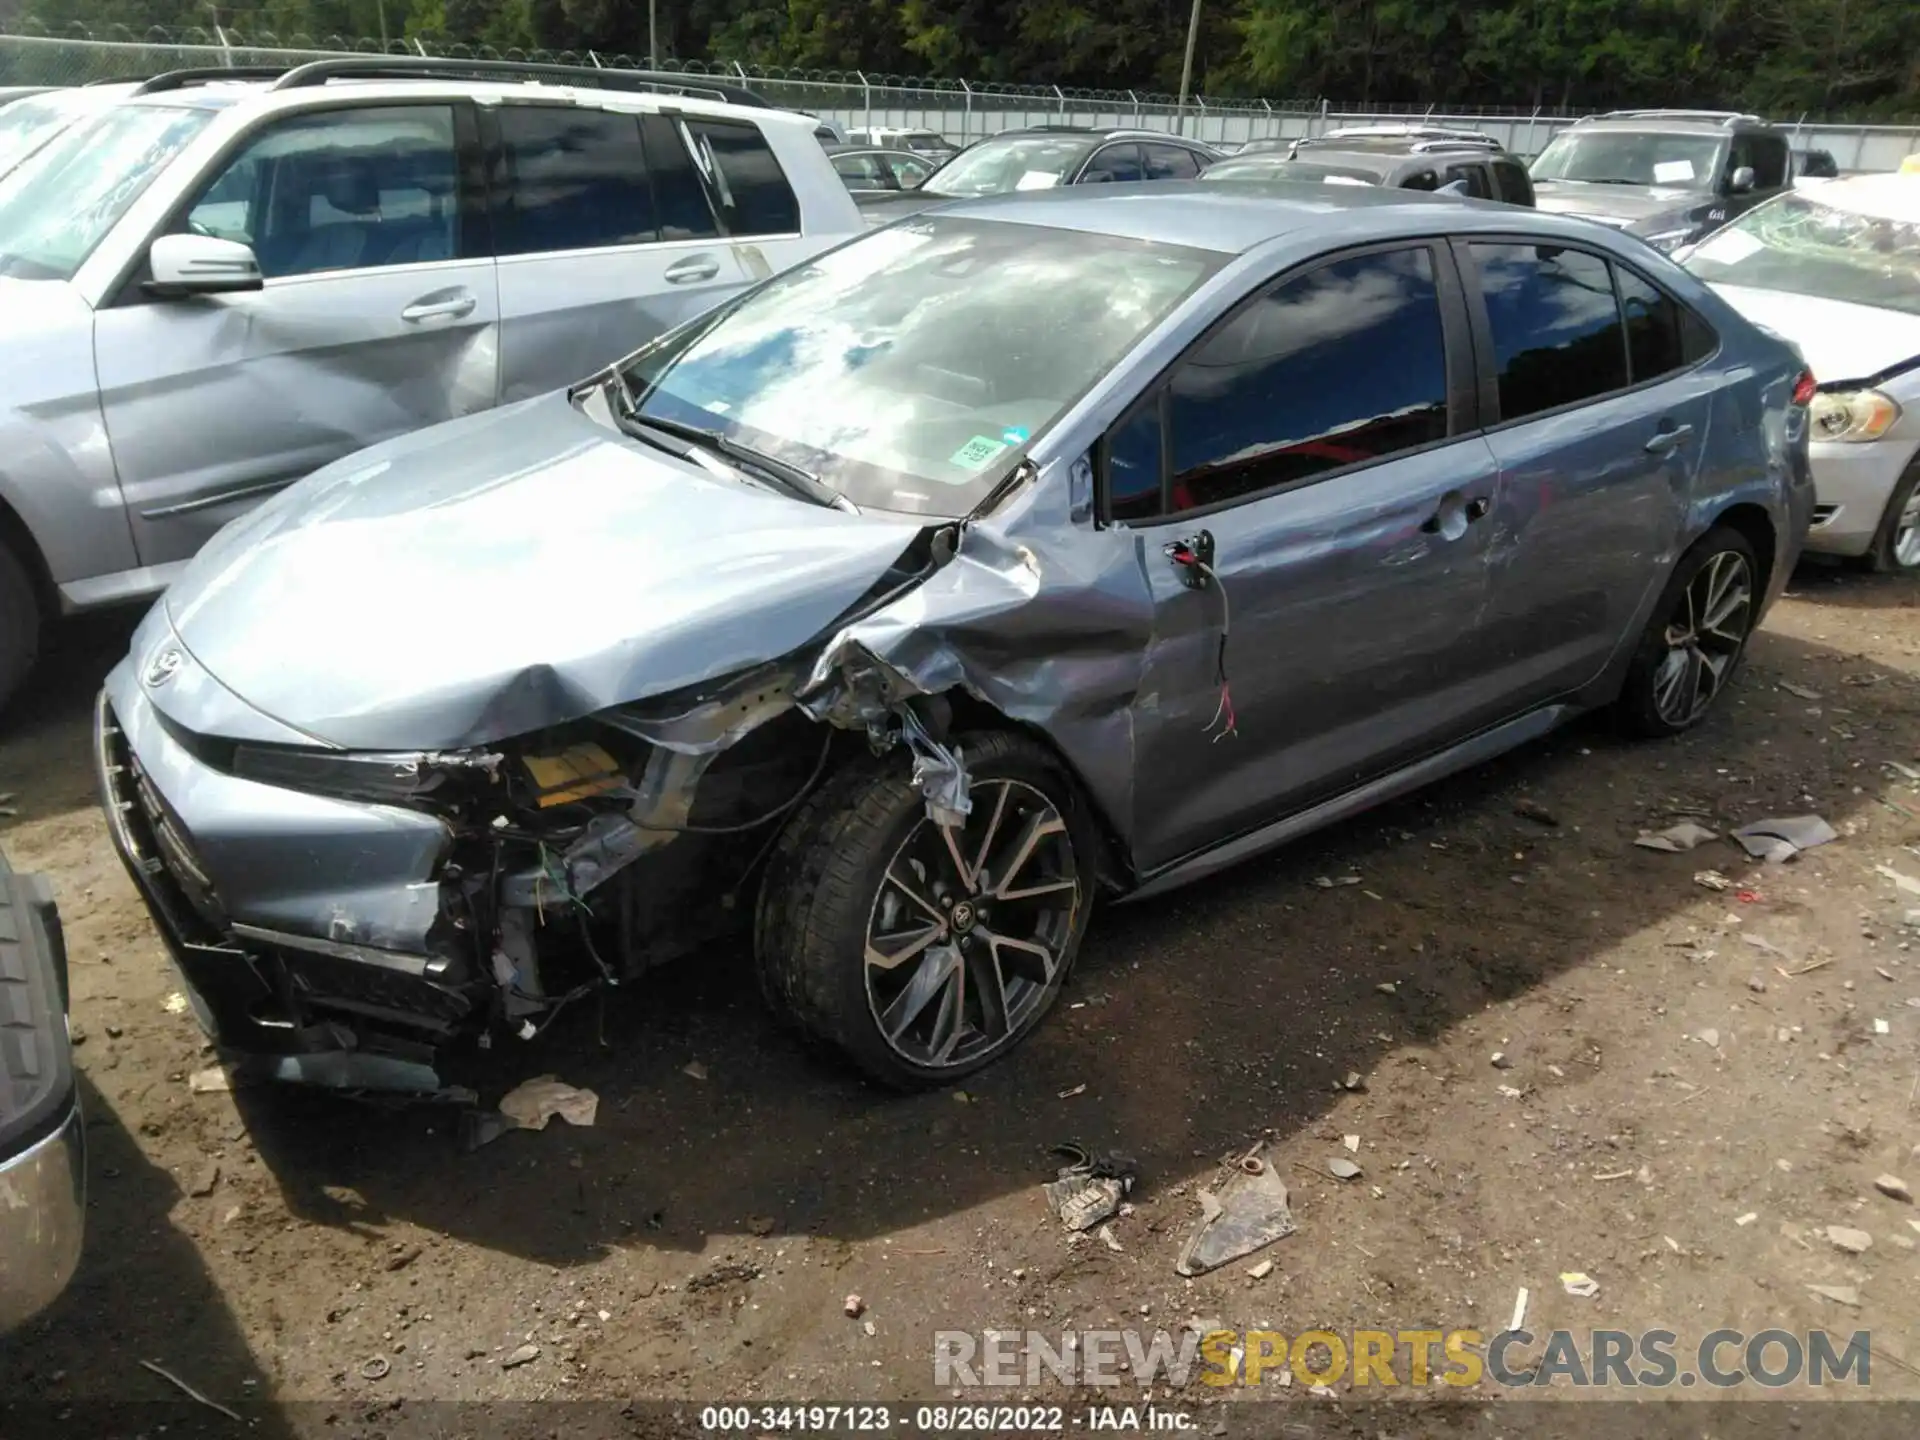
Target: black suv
(1407, 157)
(1044, 157)
(1668, 176)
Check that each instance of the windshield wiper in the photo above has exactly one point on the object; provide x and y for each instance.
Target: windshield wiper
(791, 478)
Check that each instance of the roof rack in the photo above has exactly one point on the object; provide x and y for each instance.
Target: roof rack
(1718, 117)
(1404, 132)
(207, 75)
(400, 67)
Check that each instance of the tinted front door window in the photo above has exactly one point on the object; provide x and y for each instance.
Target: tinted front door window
(1556, 329)
(1343, 365)
(1170, 162)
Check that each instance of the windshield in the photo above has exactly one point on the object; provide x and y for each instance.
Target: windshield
(1629, 157)
(26, 125)
(909, 369)
(60, 204)
(1273, 167)
(1026, 162)
(1812, 247)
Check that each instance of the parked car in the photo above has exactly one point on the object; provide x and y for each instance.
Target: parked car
(1052, 546)
(930, 144)
(828, 132)
(1668, 176)
(879, 172)
(43, 1143)
(1398, 157)
(213, 289)
(1836, 271)
(1044, 158)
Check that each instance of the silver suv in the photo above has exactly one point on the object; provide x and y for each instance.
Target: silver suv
(212, 288)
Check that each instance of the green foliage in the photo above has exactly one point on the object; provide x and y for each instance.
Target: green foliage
(1785, 57)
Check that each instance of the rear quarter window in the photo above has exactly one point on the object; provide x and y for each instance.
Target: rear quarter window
(752, 190)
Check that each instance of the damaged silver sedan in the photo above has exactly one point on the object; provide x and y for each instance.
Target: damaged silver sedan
(1027, 551)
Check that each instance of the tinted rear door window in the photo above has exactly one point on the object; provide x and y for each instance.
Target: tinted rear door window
(576, 180)
(754, 196)
(1657, 332)
(678, 195)
(1557, 337)
(1340, 366)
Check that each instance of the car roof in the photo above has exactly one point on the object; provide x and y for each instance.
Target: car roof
(1233, 219)
(1671, 122)
(1105, 132)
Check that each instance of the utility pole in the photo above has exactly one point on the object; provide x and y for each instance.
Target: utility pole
(653, 40)
(1186, 69)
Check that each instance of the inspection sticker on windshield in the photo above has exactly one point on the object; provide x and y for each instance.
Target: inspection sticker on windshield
(976, 452)
(1037, 180)
(1015, 434)
(1672, 172)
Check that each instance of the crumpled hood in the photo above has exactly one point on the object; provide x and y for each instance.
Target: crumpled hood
(1840, 341)
(511, 570)
(1627, 205)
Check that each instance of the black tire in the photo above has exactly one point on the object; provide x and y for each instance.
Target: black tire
(1639, 708)
(19, 623)
(831, 877)
(1884, 557)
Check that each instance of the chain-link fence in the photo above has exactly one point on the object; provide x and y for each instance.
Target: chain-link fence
(956, 108)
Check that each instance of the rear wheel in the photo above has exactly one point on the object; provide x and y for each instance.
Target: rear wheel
(1896, 546)
(19, 623)
(1696, 639)
(922, 951)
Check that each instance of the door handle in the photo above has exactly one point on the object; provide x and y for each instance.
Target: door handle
(1668, 438)
(692, 269)
(455, 307)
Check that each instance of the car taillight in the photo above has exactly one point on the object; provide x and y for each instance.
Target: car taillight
(1803, 388)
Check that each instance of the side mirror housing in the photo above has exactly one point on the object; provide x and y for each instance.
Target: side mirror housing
(1741, 181)
(201, 265)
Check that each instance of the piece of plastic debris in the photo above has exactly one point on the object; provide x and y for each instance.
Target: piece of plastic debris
(1342, 1168)
(694, 1069)
(1904, 882)
(1352, 1142)
(1250, 1211)
(1894, 1188)
(1710, 1038)
(1801, 691)
(1354, 1081)
(1076, 1090)
(1109, 1239)
(1839, 1294)
(1748, 1218)
(1088, 1189)
(1509, 1092)
(1881, 1027)
(375, 1367)
(1387, 987)
(1519, 1310)
(869, 1327)
(1501, 1060)
(1676, 839)
(1845, 1237)
(1260, 1271)
(1528, 808)
(1614, 1175)
(1332, 882)
(215, 1080)
(175, 1003)
(525, 1355)
(1579, 1284)
(1778, 841)
(532, 1103)
(854, 1307)
(1712, 880)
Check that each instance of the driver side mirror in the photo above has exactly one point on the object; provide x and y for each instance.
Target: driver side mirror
(185, 265)
(1741, 181)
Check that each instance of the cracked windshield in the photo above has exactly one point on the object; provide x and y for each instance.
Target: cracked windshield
(1811, 248)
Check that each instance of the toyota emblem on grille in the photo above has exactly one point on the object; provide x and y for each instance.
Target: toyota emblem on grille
(163, 665)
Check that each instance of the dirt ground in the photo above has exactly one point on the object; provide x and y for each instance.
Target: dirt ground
(1676, 1060)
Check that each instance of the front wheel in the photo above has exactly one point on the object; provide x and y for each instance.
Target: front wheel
(922, 951)
(1896, 545)
(1696, 638)
(19, 623)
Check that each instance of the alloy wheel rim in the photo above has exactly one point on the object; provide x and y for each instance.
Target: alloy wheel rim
(1906, 535)
(1704, 636)
(970, 927)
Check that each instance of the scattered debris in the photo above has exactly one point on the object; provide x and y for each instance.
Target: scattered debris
(482, 1127)
(762, 1225)
(1579, 1284)
(1756, 984)
(176, 1004)
(1109, 1239)
(1760, 942)
(723, 1272)
(1088, 1189)
(1387, 987)
(855, 1307)
(375, 1367)
(1069, 1094)
(1905, 882)
(1709, 1037)
(1502, 1060)
(216, 1080)
(205, 1178)
(1881, 1027)
(698, 1071)
(185, 1389)
(1352, 1142)
(1355, 1081)
(1510, 1093)
(1712, 880)
(1249, 1211)
(1800, 691)
(1676, 839)
(869, 1327)
(1614, 1175)
(1333, 882)
(404, 1256)
(1260, 1271)
(1748, 1218)
(1528, 808)
(1839, 1294)
(1778, 841)
(1342, 1168)
(1519, 1310)
(532, 1103)
(1894, 1188)
(1854, 1242)
(525, 1355)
